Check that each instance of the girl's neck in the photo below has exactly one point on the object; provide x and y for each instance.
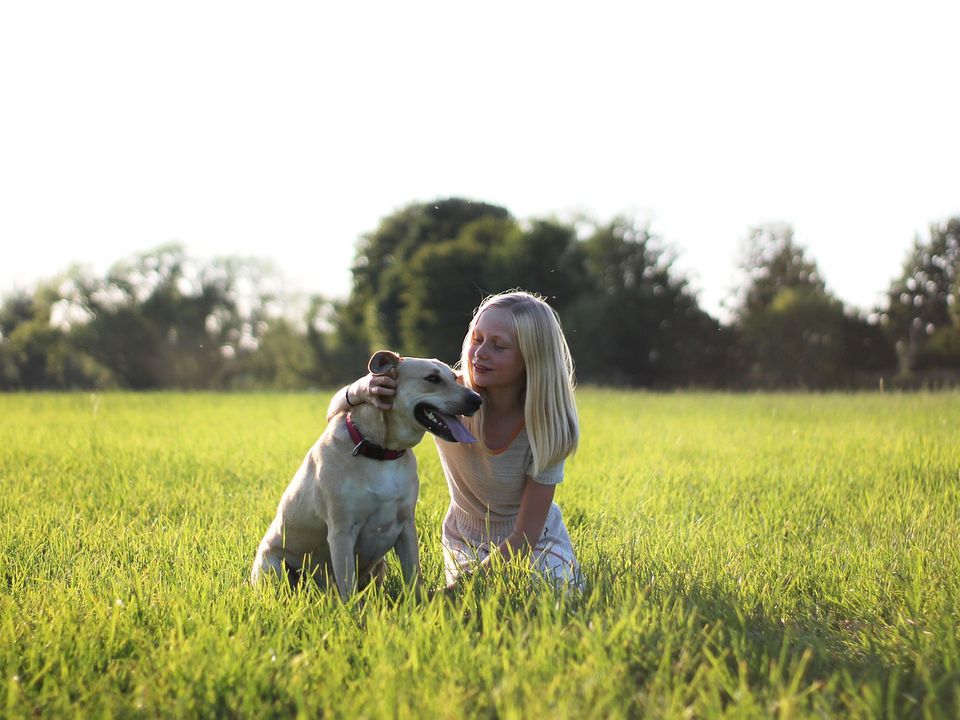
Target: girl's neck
(503, 402)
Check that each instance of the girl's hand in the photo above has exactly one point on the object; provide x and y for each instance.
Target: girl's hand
(449, 592)
(376, 390)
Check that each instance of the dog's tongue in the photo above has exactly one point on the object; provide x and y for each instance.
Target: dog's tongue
(456, 427)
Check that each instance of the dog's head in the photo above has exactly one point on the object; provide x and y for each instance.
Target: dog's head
(428, 392)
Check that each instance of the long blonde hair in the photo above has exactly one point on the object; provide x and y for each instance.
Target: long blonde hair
(549, 409)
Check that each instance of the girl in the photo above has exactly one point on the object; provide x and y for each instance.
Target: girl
(502, 487)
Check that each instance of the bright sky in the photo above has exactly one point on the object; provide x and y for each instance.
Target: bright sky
(287, 130)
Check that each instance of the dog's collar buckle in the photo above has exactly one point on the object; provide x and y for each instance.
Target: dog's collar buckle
(368, 449)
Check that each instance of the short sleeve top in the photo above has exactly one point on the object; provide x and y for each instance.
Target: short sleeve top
(484, 482)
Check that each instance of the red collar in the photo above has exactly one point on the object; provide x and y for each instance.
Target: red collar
(368, 449)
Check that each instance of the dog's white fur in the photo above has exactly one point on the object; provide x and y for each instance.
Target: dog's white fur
(342, 513)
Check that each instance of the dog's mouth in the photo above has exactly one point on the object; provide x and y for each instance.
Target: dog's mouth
(444, 426)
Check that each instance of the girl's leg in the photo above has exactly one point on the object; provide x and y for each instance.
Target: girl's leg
(553, 554)
(460, 551)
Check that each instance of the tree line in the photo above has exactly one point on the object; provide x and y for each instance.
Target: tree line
(163, 319)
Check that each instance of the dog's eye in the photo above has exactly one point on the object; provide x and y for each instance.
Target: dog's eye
(432, 378)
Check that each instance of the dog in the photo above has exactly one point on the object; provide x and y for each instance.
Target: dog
(354, 496)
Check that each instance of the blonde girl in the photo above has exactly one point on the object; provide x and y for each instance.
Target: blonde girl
(502, 487)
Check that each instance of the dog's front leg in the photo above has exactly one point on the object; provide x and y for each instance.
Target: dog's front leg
(408, 552)
(343, 556)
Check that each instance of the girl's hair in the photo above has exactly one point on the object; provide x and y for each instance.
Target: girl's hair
(549, 408)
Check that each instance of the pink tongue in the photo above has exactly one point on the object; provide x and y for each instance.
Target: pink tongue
(459, 431)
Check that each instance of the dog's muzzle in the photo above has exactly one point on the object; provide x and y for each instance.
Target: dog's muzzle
(444, 426)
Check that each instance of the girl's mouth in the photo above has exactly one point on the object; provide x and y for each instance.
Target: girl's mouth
(480, 368)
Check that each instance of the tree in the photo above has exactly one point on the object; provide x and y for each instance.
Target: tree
(771, 261)
(941, 351)
(635, 321)
(923, 301)
(797, 340)
(381, 277)
(867, 351)
(163, 319)
(336, 336)
(443, 287)
(36, 352)
(419, 276)
(545, 258)
(283, 360)
(630, 317)
(792, 327)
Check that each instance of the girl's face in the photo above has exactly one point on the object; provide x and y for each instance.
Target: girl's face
(494, 356)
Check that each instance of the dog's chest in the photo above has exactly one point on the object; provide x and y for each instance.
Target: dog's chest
(391, 489)
(388, 503)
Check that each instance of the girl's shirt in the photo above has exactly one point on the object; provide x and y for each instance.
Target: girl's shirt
(484, 481)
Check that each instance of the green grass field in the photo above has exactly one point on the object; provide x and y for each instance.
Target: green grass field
(746, 556)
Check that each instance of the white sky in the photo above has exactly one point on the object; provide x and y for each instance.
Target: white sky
(286, 130)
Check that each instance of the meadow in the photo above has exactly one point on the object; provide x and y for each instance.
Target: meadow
(762, 555)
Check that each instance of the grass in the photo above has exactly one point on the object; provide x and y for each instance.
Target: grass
(746, 556)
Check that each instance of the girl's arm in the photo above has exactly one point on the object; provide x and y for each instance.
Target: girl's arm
(378, 390)
(534, 505)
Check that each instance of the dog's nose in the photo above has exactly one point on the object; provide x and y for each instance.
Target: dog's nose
(474, 401)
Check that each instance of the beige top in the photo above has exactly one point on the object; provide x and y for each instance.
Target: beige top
(483, 481)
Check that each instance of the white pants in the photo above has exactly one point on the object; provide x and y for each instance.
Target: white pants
(467, 540)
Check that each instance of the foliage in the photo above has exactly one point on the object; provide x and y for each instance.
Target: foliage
(795, 332)
(161, 319)
(772, 261)
(446, 281)
(796, 339)
(283, 361)
(746, 555)
(941, 350)
(35, 350)
(381, 276)
(545, 257)
(443, 286)
(629, 318)
(867, 349)
(634, 321)
(164, 319)
(924, 299)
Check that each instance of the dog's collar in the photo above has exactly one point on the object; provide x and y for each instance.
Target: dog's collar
(368, 449)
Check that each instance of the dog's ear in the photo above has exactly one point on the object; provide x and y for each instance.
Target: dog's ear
(382, 362)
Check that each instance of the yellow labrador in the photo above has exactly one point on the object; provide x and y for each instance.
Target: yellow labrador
(354, 496)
